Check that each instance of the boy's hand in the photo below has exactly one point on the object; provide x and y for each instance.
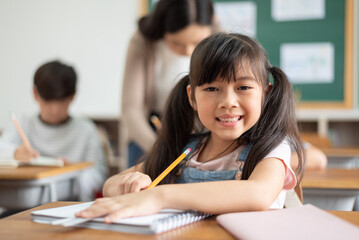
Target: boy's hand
(65, 160)
(22, 153)
(126, 183)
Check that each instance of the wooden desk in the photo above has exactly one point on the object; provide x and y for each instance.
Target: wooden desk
(27, 187)
(340, 152)
(331, 188)
(20, 226)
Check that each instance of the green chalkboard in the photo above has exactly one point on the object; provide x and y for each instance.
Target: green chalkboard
(334, 28)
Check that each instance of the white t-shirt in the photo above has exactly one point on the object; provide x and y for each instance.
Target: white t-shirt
(230, 162)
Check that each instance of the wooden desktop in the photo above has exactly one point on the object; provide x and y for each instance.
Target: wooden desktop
(331, 188)
(20, 226)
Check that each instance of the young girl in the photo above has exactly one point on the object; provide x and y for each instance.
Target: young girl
(242, 162)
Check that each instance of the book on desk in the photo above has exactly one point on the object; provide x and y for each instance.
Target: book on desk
(304, 222)
(165, 220)
(40, 161)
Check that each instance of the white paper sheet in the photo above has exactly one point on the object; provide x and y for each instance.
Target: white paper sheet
(293, 10)
(238, 17)
(308, 62)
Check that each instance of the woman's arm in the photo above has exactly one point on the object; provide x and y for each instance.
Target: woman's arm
(256, 193)
(134, 112)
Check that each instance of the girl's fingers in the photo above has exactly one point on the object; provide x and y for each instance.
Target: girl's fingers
(122, 213)
(134, 183)
(135, 187)
(99, 208)
(138, 184)
(123, 183)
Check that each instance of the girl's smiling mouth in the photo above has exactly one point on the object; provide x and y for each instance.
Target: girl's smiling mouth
(229, 121)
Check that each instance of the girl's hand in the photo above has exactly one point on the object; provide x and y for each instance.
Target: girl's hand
(22, 153)
(126, 183)
(129, 205)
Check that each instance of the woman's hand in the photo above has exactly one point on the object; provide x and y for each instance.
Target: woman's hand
(129, 205)
(124, 183)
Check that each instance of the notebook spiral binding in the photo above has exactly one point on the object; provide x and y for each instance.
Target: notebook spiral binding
(178, 220)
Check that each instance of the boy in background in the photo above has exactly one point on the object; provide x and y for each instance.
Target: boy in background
(53, 132)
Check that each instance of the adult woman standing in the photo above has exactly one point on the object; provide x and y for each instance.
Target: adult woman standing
(158, 56)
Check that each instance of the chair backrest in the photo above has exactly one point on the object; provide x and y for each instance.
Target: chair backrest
(294, 197)
(299, 191)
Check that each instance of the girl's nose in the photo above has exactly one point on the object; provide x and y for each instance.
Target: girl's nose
(229, 99)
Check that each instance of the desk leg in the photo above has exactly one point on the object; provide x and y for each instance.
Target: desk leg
(53, 192)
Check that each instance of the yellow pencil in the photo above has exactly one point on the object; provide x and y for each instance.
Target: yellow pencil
(21, 132)
(169, 168)
(156, 122)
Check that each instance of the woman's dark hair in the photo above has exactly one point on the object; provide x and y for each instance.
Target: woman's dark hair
(221, 56)
(55, 81)
(171, 16)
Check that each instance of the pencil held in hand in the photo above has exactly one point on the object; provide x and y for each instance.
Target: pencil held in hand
(169, 168)
(22, 134)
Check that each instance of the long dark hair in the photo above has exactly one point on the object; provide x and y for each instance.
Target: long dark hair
(171, 16)
(220, 55)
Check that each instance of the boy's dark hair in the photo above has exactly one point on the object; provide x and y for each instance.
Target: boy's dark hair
(222, 55)
(171, 16)
(55, 81)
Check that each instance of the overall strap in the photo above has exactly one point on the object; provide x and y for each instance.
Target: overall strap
(192, 144)
(244, 153)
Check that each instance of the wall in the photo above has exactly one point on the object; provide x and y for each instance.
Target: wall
(91, 35)
(356, 49)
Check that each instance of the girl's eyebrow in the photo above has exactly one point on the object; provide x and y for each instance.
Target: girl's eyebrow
(245, 78)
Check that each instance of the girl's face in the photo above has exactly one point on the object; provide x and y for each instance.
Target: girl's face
(185, 40)
(228, 109)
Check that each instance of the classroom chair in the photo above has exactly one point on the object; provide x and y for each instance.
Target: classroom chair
(294, 197)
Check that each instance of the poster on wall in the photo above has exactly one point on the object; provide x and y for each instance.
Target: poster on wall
(308, 62)
(238, 17)
(294, 10)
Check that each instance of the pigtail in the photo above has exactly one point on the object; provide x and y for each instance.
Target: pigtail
(177, 125)
(276, 123)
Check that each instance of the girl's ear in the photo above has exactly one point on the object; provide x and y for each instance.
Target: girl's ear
(269, 88)
(191, 102)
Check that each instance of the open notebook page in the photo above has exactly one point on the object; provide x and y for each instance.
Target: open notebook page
(40, 161)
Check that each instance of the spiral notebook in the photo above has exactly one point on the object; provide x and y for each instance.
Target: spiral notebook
(165, 220)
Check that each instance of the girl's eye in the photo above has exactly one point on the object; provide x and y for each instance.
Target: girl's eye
(244, 88)
(211, 89)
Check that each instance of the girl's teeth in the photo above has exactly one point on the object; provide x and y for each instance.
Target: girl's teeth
(229, 119)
